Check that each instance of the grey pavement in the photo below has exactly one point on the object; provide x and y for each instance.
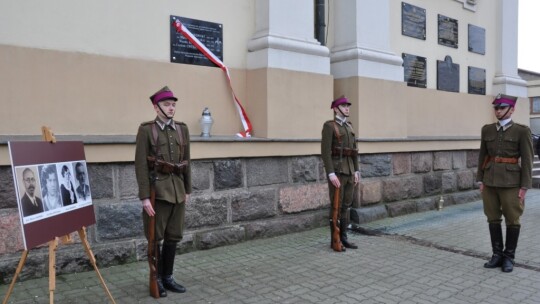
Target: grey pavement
(429, 257)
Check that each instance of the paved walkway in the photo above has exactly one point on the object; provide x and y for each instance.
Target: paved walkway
(430, 257)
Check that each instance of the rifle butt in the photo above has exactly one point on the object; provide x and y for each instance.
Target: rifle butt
(154, 290)
(152, 250)
(336, 238)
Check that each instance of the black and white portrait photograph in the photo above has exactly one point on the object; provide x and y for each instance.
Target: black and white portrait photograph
(81, 181)
(67, 182)
(49, 187)
(30, 192)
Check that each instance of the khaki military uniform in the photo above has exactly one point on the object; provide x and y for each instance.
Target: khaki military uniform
(505, 166)
(172, 146)
(345, 169)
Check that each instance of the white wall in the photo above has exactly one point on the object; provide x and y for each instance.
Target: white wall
(137, 29)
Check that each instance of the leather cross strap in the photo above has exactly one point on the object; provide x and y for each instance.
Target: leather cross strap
(336, 131)
(180, 136)
(155, 138)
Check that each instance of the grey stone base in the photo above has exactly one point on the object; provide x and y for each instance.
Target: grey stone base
(369, 214)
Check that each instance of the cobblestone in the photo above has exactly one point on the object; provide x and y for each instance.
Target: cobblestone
(429, 257)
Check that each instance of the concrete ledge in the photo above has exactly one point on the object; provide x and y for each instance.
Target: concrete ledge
(369, 214)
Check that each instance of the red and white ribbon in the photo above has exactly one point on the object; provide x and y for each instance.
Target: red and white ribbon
(180, 28)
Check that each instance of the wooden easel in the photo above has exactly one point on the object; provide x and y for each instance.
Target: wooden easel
(48, 136)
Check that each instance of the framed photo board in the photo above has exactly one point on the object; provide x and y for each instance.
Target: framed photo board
(52, 188)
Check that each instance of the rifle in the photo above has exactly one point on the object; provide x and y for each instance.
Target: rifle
(336, 238)
(153, 251)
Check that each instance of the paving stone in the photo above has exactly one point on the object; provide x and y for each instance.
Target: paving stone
(425, 257)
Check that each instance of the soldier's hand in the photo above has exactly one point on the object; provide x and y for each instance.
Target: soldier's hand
(481, 186)
(356, 178)
(187, 198)
(335, 181)
(521, 194)
(147, 206)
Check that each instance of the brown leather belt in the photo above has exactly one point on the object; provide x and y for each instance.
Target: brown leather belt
(506, 160)
(346, 151)
(497, 159)
(166, 167)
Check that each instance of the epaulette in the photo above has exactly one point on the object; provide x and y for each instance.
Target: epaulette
(147, 122)
(521, 125)
(329, 121)
(179, 123)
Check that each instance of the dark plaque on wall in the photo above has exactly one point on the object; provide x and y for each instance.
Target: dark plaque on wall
(448, 31)
(414, 68)
(477, 81)
(447, 75)
(413, 21)
(477, 39)
(209, 33)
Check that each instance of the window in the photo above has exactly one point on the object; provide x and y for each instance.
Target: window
(535, 105)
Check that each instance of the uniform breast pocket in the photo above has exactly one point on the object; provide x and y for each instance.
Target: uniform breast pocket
(491, 143)
(160, 149)
(510, 144)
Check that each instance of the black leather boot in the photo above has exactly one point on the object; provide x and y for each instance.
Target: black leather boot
(343, 232)
(161, 289)
(495, 231)
(169, 252)
(512, 235)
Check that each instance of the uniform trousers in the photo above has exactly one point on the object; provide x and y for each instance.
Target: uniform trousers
(500, 201)
(346, 195)
(169, 221)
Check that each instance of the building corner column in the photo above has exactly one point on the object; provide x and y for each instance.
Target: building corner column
(287, 68)
(362, 41)
(506, 79)
(284, 38)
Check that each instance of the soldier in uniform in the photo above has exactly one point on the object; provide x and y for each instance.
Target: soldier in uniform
(340, 158)
(166, 140)
(504, 175)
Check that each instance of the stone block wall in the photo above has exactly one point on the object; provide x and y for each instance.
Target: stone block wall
(401, 183)
(235, 200)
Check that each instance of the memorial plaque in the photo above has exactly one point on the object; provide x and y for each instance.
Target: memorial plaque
(477, 81)
(477, 39)
(414, 68)
(447, 75)
(209, 33)
(448, 31)
(413, 21)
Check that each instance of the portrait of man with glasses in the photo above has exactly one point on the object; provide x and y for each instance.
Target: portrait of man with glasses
(30, 201)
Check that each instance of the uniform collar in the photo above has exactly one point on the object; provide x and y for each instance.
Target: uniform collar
(162, 125)
(340, 119)
(504, 124)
